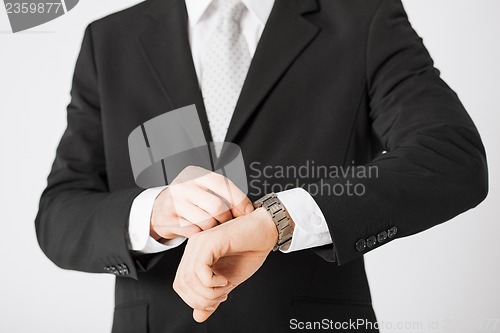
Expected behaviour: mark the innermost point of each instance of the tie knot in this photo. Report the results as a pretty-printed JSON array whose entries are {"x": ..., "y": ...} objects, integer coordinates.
[{"x": 231, "y": 11}]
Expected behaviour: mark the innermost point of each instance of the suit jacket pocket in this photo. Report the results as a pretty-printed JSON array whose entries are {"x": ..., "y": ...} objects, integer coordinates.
[{"x": 131, "y": 318}]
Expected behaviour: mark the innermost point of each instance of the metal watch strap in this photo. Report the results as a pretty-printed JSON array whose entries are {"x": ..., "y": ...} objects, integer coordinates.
[{"x": 280, "y": 217}]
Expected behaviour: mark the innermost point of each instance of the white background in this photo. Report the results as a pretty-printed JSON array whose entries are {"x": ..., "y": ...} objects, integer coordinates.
[{"x": 448, "y": 273}]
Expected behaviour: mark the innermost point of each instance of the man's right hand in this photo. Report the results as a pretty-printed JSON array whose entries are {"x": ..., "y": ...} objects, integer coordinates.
[{"x": 197, "y": 200}]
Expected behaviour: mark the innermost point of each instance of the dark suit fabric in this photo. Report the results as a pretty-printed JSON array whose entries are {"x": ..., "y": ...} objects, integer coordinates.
[{"x": 332, "y": 81}]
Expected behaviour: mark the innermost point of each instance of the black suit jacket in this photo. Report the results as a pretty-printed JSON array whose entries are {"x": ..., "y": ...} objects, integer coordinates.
[{"x": 332, "y": 81}]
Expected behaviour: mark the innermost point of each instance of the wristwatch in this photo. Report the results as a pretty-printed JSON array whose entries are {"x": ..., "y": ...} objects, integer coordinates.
[{"x": 280, "y": 217}]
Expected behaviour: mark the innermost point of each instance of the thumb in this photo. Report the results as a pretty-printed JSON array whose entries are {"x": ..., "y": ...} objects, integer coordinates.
[{"x": 242, "y": 208}]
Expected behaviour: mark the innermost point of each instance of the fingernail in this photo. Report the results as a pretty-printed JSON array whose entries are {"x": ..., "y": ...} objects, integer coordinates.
[
  {"x": 249, "y": 209},
  {"x": 210, "y": 308}
]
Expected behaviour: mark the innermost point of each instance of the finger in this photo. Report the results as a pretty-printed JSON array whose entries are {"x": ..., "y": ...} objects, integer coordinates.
[
  {"x": 201, "y": 315},
  {"x": 208, "y": 278},
  {"x": 181, "y": 227},
  {"x": 212, "y": 204},
  {"x": 196, "y": 301},
  {"x": 208, "y": 292},
  {"x": 195, "y": 215},
  {"x": 221, "y": 300},
  {"x": 225, "y": 188}
]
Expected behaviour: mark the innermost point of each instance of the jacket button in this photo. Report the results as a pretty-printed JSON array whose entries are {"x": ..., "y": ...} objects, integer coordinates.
[
  {"x": 371, "y": 241},
  {"x": 361, "y": 245},
  {"x": 391, "y": 233},
  {"x": 382, "y": 236},
  {"x": 123, "y": 269}
]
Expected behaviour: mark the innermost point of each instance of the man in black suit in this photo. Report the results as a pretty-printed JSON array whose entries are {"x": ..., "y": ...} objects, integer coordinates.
[{"x": 334, "y": 82}]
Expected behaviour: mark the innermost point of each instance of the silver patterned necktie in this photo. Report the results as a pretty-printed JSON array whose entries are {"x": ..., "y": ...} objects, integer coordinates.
[{"x": 225, "y": 63}]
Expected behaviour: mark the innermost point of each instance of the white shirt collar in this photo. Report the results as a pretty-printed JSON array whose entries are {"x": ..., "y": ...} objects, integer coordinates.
[{"x": 260, "y": 8}]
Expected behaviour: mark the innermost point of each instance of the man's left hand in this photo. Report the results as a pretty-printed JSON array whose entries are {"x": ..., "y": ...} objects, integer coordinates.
[{"x": 217, "y": 260}]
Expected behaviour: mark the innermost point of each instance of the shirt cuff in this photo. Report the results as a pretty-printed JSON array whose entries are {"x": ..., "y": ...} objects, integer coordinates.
[
  {"x": 139, "y": 221},
  {"x": 311, "y": 229}
]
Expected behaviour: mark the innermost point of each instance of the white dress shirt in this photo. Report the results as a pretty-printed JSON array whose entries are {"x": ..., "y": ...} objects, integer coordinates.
[{"x": 311, "y": 229}]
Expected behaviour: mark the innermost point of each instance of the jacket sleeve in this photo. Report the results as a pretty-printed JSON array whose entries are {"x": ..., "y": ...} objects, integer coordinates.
[
  {"x": 81, "y": 225},
  {"x": 435, "y": 165}
]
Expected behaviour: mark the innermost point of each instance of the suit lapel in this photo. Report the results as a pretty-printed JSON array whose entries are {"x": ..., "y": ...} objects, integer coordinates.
[
  {"x": 286, "y": 34},
  {"x": 167, "y": 51}
]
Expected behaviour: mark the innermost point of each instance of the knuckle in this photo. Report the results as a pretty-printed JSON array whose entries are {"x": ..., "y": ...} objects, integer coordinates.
[
  {"x": 217, "y": 179},
  {"x": 221, "y": 180},
  {"x": 175, "y": 286},
  {"x": 207, "y": 224},
  {"x": 219, "y": 207},
  {"x": 188, "y": 169}
]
